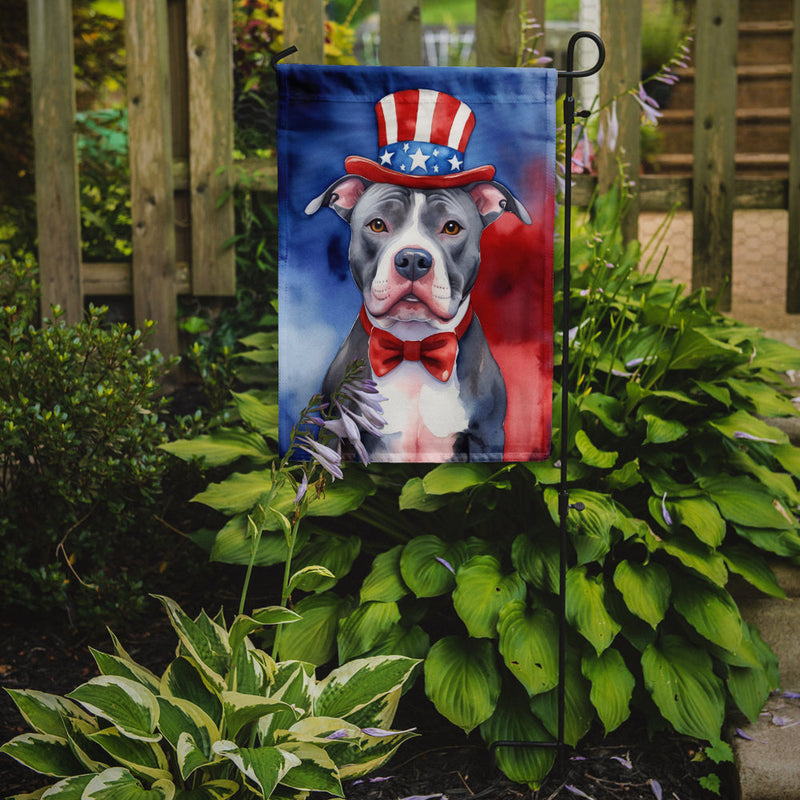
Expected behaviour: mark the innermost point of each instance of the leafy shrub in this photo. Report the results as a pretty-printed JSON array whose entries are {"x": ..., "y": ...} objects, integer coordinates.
[
  {"x": 683, "y": 484},
  {"x": 223, "y": 716},
  {"x": 79, "y": 430}
]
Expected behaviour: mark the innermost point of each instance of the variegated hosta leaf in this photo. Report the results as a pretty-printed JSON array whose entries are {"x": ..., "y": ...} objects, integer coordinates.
[
  {"x": 179, "y": 718},
  {"x": 316, "y": 771},
  {"x": 78, "y": 733},
  {"x": 212, "y": 790},
  {"x": 242, "y": 709},
  {"x": 586, "y": 608},
  {"x": 244, "y": 625},
  {"x": 529, "y": 645},
  {"x": 365, "y": 627},
  {"x": 45, "y": 712},
  {"x": 462, "y": 680},
  {"x": 204, "y": 641},
  {"x": 578, "y": 710},
  {"x": 183, "y": 679},
  {"x": 371, "y": 754},
  {"x": 125, "y": 668},
  {"x": 481, "y": 591},
  {"x": 44, "y": 753},
  {"x": 513, "y": 721},
  {"x": 683, "y": 685},
  {"x": 385, "y": 581},
  {"x": 612, "y": 686},
  {"x": 145, "y": 759},
  {"x": 358, "y": 683},
  {"x": 262, "y": 766},
  {"x": 126, "y": 704},
  {"x": 117, "y": 783},
  {"x": 710, "y": 610},
  {"x": 646, "y": 589},
  {"x": 68, "y": 789},
  {"x": 294, "y": 685},
  {"x": 252, "y": 670}
]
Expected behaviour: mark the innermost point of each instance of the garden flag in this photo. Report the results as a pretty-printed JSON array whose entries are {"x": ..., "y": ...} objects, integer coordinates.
[{"x": 416, "y": 212}]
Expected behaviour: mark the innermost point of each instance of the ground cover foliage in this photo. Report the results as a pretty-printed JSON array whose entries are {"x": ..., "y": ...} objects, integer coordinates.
[{"x": 683, "y": 484}]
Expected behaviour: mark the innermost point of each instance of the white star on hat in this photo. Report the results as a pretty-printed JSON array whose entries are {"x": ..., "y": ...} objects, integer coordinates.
[
  {"x": 386, "y": 158},
  {"x": 418, "y": 160},
  {"x": 455, "y": 164}
]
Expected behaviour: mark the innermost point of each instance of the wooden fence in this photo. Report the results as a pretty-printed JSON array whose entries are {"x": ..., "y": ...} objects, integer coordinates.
[{"x": 180, "y": 92}]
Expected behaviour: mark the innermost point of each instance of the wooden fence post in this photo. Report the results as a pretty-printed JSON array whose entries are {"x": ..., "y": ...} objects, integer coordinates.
[
  {"x": 56, "y": 161},
  {"x": 401, "y": 33},
  {"x": 304, "y": 27},
  {"x": 714, "y": 190},
  {"x": 498, "y": 30},
  {"x": 793, "y": 266},
  {"x": 152, "y": 201},
  {"x": 210, "y": 55},
  {"x": 621, "y": 28}
]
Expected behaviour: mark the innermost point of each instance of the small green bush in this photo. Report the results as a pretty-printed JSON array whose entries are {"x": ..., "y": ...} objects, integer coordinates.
[{"x": 79, "y": 464}]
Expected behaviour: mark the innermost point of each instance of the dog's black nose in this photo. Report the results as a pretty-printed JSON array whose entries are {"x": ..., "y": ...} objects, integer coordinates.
[{"x": 413, "y": 263}]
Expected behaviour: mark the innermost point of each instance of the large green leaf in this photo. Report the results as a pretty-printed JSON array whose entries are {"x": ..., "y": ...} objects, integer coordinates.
[
  {"x": 537, "y": 561},
  {"x": 683, "y": 685},
  {"x": 709, "y": 609},
  {"x": 746, "y": 561},
  {"x": 481, "y": 591},
  {"x": 700, "y": 516},
  {"x": 690, "y": 552},
  {"x": 428, "y": 565},
  {"x": 313, "y": 638},
  {"x": 741, "y": 425},
  {"x": 780, "y": 542},
  {"x": 126, "y": 704},
  {"x": 449, "y": 478},
  {"x": 241, "y": 709},
  {"x": 44, "y": 753},
  {"x": 126, "y": 668},
  {"x": 212, "y": 790},
  {"x": 745, "y": 502},
  {"x": 749, "y": 688},
  {"x": 589, "y": 526},
  {"x": 766, "y": 400},
  {"x": 68, "y": 789},
  {"x": 237, "y": 493},
  {"x": 696, "y": 349},
  {"x": 512, "y": 721},
  {"x": 646, "y": 589},
  {"x": 529, "y": 645},
  {"x": 586, "y": 608},
  {"x": 316, "y": 771},
  {"x": 663, "y": 431},
  {"x": 591, "y": 455},
  {"x": 462, "y": 680},
  {"x": 365, "y": 627},
  {"x": 233, "y": 544},
  {"x": 223, "y": 446},
  {"x": 414, "y": 497},
  {"x": 608, "y": 410},
  {"x": 264, "y": 766},
  {"x": 178, "y": 716},
  {"x": 385, "y": 582},
  {"x": 117, "y": 783},
  {"x": 183, "y": 679},
  {"x": 612, "y": 686},
  {"x": 261, "y": 416},
  {"x": 335, "y": 553},
  {"x": 578, "y": 710}
]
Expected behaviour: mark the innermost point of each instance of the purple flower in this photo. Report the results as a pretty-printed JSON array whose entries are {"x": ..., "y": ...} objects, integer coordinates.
[
  {"x": 342, "y": 733},
  {"x": 577, "y": 792},
  {"x": 664, "y": 512},
  {"x": 327, "y": 458},
  {"x": 742, "y": 735},
  {"x": 624, "y": 761},
  {"x": 301, "y": 489},
  {"x": 445, "y": 563},
  {"x": 608, "y": 132},
  {"x": 649, "y": 106},
  {"x": 380, "y": 732},
  {"x": 655, "y": 786},
  {"x": 750, "y": 436}
]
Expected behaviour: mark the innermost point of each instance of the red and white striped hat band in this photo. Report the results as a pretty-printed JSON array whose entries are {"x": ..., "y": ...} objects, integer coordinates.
[{"x": 422, "y": 139}]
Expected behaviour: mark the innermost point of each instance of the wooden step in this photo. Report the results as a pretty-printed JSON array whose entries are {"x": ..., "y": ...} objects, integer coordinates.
[
  {"x": 754, "y": 10},
  {"x": 763, "y": 42},
  {"x": 758, "y": 130},
  {"x": 768, "y": 165}
]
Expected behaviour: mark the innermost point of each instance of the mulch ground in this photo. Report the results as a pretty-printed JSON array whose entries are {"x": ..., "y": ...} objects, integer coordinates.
[{"x": 44, "y": 654}]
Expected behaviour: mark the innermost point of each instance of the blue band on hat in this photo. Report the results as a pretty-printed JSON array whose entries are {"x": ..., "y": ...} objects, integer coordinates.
[{"x": 421, "y": 158}]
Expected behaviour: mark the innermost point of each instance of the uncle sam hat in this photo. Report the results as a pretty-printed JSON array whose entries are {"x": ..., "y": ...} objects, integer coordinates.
[{"x": 422, "y": 138}]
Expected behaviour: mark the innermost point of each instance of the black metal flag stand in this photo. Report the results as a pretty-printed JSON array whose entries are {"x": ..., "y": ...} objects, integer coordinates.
[{"x": 563, "y": 494}]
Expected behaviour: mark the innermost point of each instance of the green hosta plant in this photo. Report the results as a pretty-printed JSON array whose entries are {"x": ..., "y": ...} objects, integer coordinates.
[
  {"x": 684, "y": 482},
  {"x": 224, "y": 720}
]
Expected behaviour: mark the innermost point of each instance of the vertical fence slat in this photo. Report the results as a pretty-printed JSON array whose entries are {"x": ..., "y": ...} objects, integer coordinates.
[
  {"x": 152, "y": 202},
  {"x": 304, "y": 27},
  {"x": 56, "y": 164},
  {"x": 793, "y": 266},
  {"x": 621, "y": 28},
  {"x": 401, "y": 33},
  {"x": 210, "y": 54},
  {"x": 713, "y": 191},
  {"x": 498, "y": 33}
]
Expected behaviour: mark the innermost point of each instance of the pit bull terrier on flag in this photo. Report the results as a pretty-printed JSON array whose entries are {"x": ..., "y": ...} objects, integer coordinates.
[{"x": 416, "y": 212}]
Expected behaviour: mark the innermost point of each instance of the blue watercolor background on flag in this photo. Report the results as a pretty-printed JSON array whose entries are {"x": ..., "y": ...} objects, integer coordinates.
[{"x": 327, "y": 114}]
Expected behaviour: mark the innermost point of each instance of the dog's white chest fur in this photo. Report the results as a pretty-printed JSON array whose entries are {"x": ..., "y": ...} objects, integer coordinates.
[{"x": 423, "y": 415}]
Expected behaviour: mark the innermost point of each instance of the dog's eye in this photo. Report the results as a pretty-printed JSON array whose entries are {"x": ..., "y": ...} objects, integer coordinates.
[
  {"x": 377, "y": 225},
  {"x": 451, "y": 228}
]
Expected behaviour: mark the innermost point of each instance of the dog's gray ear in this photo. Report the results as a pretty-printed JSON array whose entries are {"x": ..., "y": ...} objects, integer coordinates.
[
  {"x": 492, "y": 199},
  {"x": 341, "y": 196}
]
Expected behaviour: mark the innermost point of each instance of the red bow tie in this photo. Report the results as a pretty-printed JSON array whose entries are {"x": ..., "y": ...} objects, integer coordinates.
[{"x": 437, "y": 353}]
